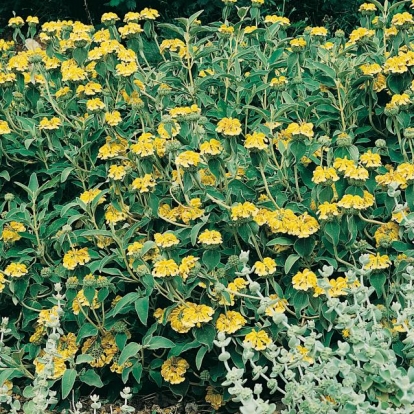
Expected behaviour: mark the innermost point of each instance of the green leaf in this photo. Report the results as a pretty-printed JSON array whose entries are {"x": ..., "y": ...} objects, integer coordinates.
[
  {"x": 194, "y": 232},
  {"x": 211, "y": 258},
  {"x": 125, "y": 301},
  {"x": 33, "y": 183},
  {"x": 157, "y": 342},
  {"x": 332, "y": 230},
  {"x": 205, "y": 335},
  {"x": 283, "y": 241},
  {"x": 84, "y": 358},
  {"x": 68, "y": 381},
  {"x": 129, "y": 351},
  {"x": 200, "y": 356},
  {"x": 65, "y": 174},
  {"x": 377, "y": 280},
  {"x": 85, "y": 331},
  {"x": 137, "y": 372},
  {"x": 91, "y": 378},
  {"x": 142, "y": 309},
  {"x": 290, "y": 261},
  {"x": 304, "y": 247}
]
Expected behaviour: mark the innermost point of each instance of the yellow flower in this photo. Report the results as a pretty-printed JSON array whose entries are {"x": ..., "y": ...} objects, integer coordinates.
[
  {"x": 226, "y": 30},
  {"x": 396, "y": 65},
  {"x": 214, "y": 398},
  {"x": 166, "y": 240},
  {"x": 109, "y": 18},
  {"x": 174, "y": 369},
  {"x": 187, "y": 264},
  {"x": 298, "y": 44},
  {"x": 256, "y": 141},
  {"x": 16, "y": 22},
  {"x": 113, "y": 118},
  {"x": 360, "y": 35},
  {"x": 282, "y": 21},
  {"x": 230, "y": 322},
  {"x": 229, "y": 127},
  {"x": 212, "y": 147},
  {"x": 194, "y": 315},
  {"x": 327, "y": 211},
  {"x": 11, "y": 232},
  {"x": 130, "y": 30},
  {"x": 165, "y": 268},
  {"x": 265, "y": 267},
  {"x": 386, "y": 234},
  {"x": 279, "y": 305},
  {"x": 304, "y": 280},
  {"x": 250, "y": 29},
  {"x": 113, "y": 215},
  {"x": 50, "y": 124},
  {"x": 324, "y": 175},
  {"x": 259, "y": 340},
  {"x": 370, "y": 159},
  {"x": 144, "y": 184},
  {"x": 67, "y": 347},
  {"x": 402, "y": 20},
  {"x": 356, "y": 173},
  {"x": 94, "y": 105},
  {"x": 149, "y": 14},
  {"x": 188, "y": 159},
  {"x": 116, "y": 172},
  {"x": 245, "y": 211},
  {"x": 370, "y": 69},
  {"x": 76, "y": 257},
  {"x": 4, "y": 128},
  {"x": 303, "y": 351},
  {"x": 377, "y": 262},
  {"x": 367, "y": 7},
  {"x": 279, "y": 82},
  {"x": 210, "y": 238},
  {"x": 89, "y": 195},
  {"x": 318, "y": 32},
  {"x": 16, "y": 270}
]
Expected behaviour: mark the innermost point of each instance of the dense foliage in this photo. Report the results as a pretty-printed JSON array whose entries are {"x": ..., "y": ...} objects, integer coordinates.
[{"x": 236, "y": 217}]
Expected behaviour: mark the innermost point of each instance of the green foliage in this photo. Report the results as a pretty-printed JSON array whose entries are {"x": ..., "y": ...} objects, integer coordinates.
[{"x": 236, "y": 207}]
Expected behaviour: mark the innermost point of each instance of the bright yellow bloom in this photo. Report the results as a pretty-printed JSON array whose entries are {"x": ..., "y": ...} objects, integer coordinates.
[
  {"x": 402, "y": 20},
  {"x": 174, "y": 369},
  {"x": 245, "y": 211},
  {"x": 279, "y": 305},
  {"x": 229, "y": 127},
  {"x": 11, "y": 232},
  {"x": 226, "y": 29},
  {"x": 80, "y": 301},
  {"x": 230, "y": 322},
  {"x": 386, "y": 234},
  {"x": 282, "y": 21},
  {"x": 165, "y": 268},
  {"x": 212, "y": 147},
  {"x": 187, "y": 264},
  {"x": 370, "y": 69},
  {"x": 258, "y": 339},
  {"x": 327, "y": 211},
  {"x": 188, "y": 159},
  {"x": 319, "y": 31},
  {"x": 76, "y": 257},
  {"x": 59, "y": 366},
  {"x": 116, "y": 172},
  {"x": 16, "y": 270},
  {"x": 113, "y": 215},
  {"x": 324, "y": 175},
  {"x": 89, "y": 195},
  {"x": 304, "y": 280},
  {"x": 4, "y": 128},
  {"x": 256, "y": 141},
  {"x": 50, "y": 124},
  {"x": 166, "y": 240},
  {"x": 149, "y": 14},
  {"x": 214, "y": 398},
  {"x": 144, "y": 184},
  {"x": 113, "y": 118},
  {"x": 94, "y": 105},
  {"x": 360, "y": 34},
  {"x": 109, "y": 18},
  {"x": 370, "y": 159},
  {"x": 210, "y": 237},
  {"x": 266, "y": 267},
  {"x": 378, "y": 262}
]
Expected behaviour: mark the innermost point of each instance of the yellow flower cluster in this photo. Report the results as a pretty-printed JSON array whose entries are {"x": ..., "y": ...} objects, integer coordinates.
[
  {"x": 174, "y": 369},
  {"x": 210, "y": 238},
  {"x": 259, "y": 340},
  {"x": 166, "y": 240},
  {"x": 75, "y": 257},
  {"x": 230, "y": 322},
  {"x": 286, "y": 221},
  {"x": 10, "y": 233},
  {"x": 16, "y": 270},
  {"x": 386, "y": 234},
  {"x": 189, "y": 315},
  {"x": 229, "y": 127},
  {"x": 265, "y": 267}
]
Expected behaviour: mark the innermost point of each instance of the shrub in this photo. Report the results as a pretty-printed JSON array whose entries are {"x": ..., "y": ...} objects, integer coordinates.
[{"x": 237, "y": 218}]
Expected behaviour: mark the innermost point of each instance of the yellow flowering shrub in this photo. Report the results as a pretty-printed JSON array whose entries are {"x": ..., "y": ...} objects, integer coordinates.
[{"x": 137, "y": 188}]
